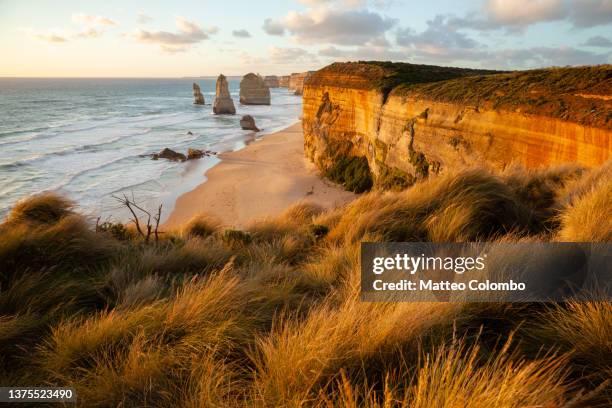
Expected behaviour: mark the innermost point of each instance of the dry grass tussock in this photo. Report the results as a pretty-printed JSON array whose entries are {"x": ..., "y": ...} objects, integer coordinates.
[{"x": 270, "y": 316}]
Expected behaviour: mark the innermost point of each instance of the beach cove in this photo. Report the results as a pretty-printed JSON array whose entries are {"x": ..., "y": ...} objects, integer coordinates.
[{"x": 260, "y": 180}]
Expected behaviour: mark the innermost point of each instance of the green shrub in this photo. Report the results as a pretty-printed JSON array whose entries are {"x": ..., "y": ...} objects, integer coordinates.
[
  {"x": 394, "y": 179},
  {"x": 352, "y": 172}
]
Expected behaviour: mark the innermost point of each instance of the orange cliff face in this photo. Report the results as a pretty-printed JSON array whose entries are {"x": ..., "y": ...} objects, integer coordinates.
[{"x": 419, "y": 121}]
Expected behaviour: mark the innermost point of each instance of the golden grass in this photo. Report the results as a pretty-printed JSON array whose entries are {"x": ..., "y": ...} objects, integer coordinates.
[{"x": 275, "y": 320}]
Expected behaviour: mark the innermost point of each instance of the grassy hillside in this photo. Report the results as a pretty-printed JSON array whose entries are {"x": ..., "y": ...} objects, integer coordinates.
[
  {"x": 270, "y": 316},
  {"x": 578, "y": 94}
]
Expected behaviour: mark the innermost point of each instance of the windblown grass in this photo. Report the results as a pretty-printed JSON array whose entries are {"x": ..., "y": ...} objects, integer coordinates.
[{"x": 271, "y": 315}]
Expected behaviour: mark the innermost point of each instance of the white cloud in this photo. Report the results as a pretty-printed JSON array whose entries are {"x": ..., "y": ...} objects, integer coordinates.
[
  {"x": 241, "y": 34},
  {"x": 524, "y": 12},
  {"x": 440, "y": 41},
  {"x": 333, "y": 26},
  {"x": 188, "y": 33},
  {"x": 281, "y": 55},
  {"x": 89, "y": 33},
  {"x": 87, "y": 19},
  {"x": 546, "y": 56},
  {"x": 52, "y": 38},
  {"x": 143, "y": 18},
  {"x": 518, "y": 14}
]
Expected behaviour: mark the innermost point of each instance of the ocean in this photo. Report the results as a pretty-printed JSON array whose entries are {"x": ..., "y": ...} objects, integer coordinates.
[{"x": 85, "y": 138}]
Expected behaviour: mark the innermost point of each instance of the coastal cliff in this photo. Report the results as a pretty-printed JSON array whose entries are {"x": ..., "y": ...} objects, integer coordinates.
[
  {"x": 296, "y": 81},
  {"x": 409, "y": 120}
]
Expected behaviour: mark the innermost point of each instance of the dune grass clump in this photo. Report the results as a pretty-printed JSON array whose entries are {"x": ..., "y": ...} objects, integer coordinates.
[
  {"x": 44, "y": 208},
  {"x": 468, "y": 206},
  {"x": 201, "y": 226},
  {"x": 580, "y": 220},
  {"x": 271, "y": 316}
]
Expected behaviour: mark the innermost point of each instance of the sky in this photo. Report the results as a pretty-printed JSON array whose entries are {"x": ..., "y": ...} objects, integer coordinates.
[{"x": 118, "y": 38}]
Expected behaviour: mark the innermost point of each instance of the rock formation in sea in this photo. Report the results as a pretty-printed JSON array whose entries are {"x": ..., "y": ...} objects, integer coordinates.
[
  {"x": 253, "y": 90},
  {"x": 248, "y": 123},
  {"x": 169, "y": 154},
  {"x": 197, "y": 95},
  {"x": 195, "y": 154},
  {"x": 296, "y": 81},
  {"x": 283, "y": 81},
  {"x": 223, "y": 104},
  {"x": 271, "y": 81},
  {"x": 411, "y": 121}
]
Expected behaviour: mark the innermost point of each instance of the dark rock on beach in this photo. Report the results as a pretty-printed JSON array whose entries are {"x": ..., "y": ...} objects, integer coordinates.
[
  {"x": 169, "y": 154},
  {"x": 248, "y": 123}
]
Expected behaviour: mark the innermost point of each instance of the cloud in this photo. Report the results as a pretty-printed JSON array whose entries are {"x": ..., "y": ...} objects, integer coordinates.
[
  {"x": 524, "y": 12},
  {"x": 143, "y": 18},
  {"x": 333, "y": 26},
  {"x": 440, "y": 41},
  {"x": 590, "y": 13},
  {"x": 281, "y": 55},
  {"x": 364, "y": 53},
  {"x": 273, "y": 27},
  {"x": 598, "y": 41},
  {"x": 89, "y": 33},
  {"x": 518, "y": 14},
  {"x": 241, "y": 34},
  {"x": 87, "y": 19},
  {"x": 188, "y": 33},
  {"x": 547, "y": 56},
  {"x": 52, "y": 38}
]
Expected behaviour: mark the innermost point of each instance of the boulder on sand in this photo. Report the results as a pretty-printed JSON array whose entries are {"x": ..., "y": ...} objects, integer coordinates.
[
  {"x": 223, "y": 104},
  {"x": 253, "y": 90},
  {"x": 197, "y": 95},
  {"x": 169, "y": 154},
  {"x": 248, "y": 123}
]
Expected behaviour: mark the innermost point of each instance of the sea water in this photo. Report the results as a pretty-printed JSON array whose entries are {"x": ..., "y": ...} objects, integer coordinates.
[{"x": 88, "y": 139}]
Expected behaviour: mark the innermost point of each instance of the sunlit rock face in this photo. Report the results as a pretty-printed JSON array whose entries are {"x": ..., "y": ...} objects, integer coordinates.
[
  {"x": 296, "y": 81},
  {"x": 254, "y": 91},
  {"x": 198, "y": 98},
  {"x": 223, "y": 104},
  {"x": 283, "y": 81},
  {"x": 419, "y": 120}
]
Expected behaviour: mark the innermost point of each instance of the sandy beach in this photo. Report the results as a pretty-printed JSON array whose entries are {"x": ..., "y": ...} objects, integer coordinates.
[{"x": 259, "y": 181}]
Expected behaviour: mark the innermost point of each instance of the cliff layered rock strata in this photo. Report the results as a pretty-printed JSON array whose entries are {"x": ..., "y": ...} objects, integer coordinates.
[
  {"x": 296, "y": 81},
  {"x": 410, "y": 121},
  {"x": 253, "y": 90},
  {"x": 223, "y": 103},
  {"x": 197, "y": 95},
  {"x": 271, "y": 81}
]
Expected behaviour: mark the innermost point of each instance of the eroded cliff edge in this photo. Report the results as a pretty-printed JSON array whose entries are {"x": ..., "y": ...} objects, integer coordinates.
[{"x": 409, "y": 120}]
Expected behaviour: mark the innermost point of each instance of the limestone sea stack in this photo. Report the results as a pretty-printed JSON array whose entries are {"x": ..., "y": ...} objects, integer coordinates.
[
  {"x": 248, "y": 123},
  {"x": 197, "y": 95},
  {"x": 253, "y": 90},
  {"x": 271, "y": 81},
  {"x": 283, "y": 81},
  {"x": 223, "y": 104}
]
